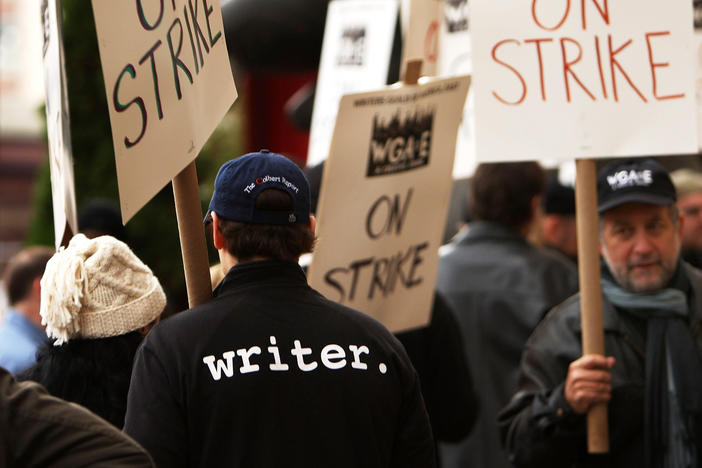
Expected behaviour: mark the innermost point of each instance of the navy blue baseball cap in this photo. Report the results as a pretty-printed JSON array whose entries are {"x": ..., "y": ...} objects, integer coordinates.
[
  {"x": 240, "y": 181},
  {"x": 634, "y": 180}
]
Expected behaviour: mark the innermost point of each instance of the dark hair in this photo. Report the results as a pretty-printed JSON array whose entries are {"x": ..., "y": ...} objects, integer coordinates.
[
  {"x": 558, "y": 199},
  {"x": 503, "y": 192},
  {"x": 272, "y": 241},
  {"x": 99, "y": 217},
  {"x": 23, "y": 269},
  {"x": 94, "y": 373}
]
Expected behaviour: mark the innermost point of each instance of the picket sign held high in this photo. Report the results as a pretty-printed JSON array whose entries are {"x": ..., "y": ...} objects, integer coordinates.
[
  {"x": 590, "y": 290},
  {"x": 192, "y": 236},
  {"x": 390, "y": 152}
]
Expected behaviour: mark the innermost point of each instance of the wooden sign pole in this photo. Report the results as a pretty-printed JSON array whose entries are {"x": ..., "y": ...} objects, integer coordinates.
[
  {"x": 192, "y": 236},
  {"x": 67, "y": 235},
  {"x": 590, "y": 290},
  {"x": 413, "y": 69}
]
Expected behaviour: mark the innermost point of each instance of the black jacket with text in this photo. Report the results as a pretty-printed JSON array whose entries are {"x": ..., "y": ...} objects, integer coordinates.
[{"x": 272, "y": 374}]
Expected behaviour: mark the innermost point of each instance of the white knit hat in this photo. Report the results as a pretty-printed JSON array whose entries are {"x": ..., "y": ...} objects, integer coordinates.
[{"x": 96, "y": 288}]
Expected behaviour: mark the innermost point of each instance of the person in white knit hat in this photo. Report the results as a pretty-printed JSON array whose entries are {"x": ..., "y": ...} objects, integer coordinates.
[{"x": 98, "y": 300}]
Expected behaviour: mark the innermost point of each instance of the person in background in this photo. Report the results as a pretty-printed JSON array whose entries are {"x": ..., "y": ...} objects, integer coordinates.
[
  {"x": 99, "y": 217},
  {"x": 37, "y": 429},
  {"x": 21, "y": 332},
  {"x": 269, "y": 372},
  {"x": 500, "y": 287},
  {"x": 558, "y": 229},
  {"x": 98, "y": 301},
  {"x": 652, "y": 372},
  {"x": 688, "y": 184}
]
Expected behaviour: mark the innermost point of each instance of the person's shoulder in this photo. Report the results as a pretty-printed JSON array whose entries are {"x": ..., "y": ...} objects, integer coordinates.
[
  {"x": 352, "y": 316},
  {"x": 355, "y": 322},
  {"x": 557, "y": 274},
  {"x": 558, "y": 337},
  {"x": 194, "y": 316},
  {"x": 568, "y": 308},
  {"x": 183, "y": 327},
  {"x": 551, "y": 259},
  {"x": 563, "y": 319},
  {"x": 556, "y": 257},
  {"x": 694, "y": 274}
]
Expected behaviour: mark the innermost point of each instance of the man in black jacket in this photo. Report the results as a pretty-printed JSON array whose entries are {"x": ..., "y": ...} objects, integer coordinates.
[
  {"x": 652, "y": 316},
  {"x": 270, "y": 373},
  {"x": 500, "y": 287}
]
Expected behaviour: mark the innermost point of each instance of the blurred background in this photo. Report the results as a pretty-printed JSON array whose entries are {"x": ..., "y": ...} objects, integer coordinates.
[{"x": 276, "y": 59}]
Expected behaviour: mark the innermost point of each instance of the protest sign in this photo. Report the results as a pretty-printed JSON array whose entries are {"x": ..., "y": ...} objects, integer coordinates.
[
  {"x": 384, "y": 200},
  {"x": 455, "y": 58},
  {"x": 420, "y": 33},
  {"x": 355, "y": 57},
  {"x": 168, "y": 82},
  {"x": 589, "y": 78},
  {"x": 583, "y": 79},
  {"x": 58, "y": 125}
]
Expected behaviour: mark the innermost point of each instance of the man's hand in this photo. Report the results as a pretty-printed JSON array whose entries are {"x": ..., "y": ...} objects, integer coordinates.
[{"x": 588, "y": 382}]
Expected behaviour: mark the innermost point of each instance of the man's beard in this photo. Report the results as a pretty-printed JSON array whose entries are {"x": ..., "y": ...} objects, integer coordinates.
[{"x": 655, "y": 277}]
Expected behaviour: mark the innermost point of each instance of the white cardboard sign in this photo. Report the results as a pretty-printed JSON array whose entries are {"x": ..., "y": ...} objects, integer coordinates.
[
  {"x": 590, "y": 78},
  {"x": 455, "y": 58},
  {"x": 358, "y": 37},
  {"x": 420, "y": 27},
  {"x": 168, "y": 82},
  {"x": 58, "y": 123},
  {"x": 384, "y": 199}
]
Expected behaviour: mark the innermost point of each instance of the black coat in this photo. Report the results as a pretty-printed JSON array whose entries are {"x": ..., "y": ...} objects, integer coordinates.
[
  {"x": 37, "y": 429},
  {"x": 436, "y": 352},
  {"x": 538, "y": 426},
  {"x": 272, "y": 374},
  {"x": 500, "y": 287}
]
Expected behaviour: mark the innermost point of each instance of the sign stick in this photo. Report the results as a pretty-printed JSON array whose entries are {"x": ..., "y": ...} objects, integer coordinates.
[
  {"x": 192, "y": 236},
  {"x": 67, "y": 235},
  {"x": 590, "y": 290},
  {"x": 412, "y": 71}
]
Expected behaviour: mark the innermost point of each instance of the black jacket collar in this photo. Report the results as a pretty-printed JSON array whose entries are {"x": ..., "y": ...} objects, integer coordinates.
[
  {"x": 268, "y": 271},
  {"x": 483, "y": 230}
]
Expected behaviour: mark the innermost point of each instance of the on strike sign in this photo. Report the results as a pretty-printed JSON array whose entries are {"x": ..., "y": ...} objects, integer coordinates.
[
  {"x": 384, "y": 199},
  {"x": 168, "y": 83},
  {"x": 582, "y": 78}
]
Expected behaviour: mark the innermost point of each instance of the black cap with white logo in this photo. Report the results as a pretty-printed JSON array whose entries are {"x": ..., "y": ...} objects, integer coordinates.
[{"x": 634, "y": 180}]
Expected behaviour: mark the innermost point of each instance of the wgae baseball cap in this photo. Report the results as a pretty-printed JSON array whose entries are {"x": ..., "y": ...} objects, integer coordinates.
[
  {"x": 634, "y": 180},
  {"x": 241, "y": 180}
]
